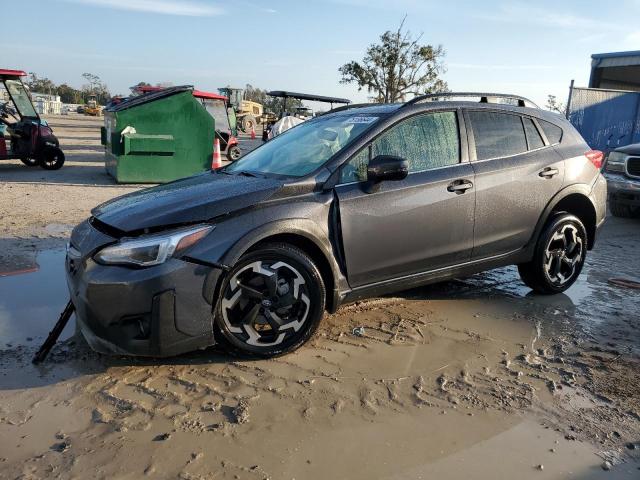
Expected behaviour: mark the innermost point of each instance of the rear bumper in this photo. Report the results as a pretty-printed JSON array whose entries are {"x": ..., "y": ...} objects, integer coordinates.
[
  {"x": 158, "y": 311},
  {"x": 598, "y": 197},
  {"x": 623, "y": 189}
]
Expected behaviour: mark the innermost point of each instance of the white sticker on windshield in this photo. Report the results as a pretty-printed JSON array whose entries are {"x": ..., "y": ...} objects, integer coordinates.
[{"x": 361, "y": 119}]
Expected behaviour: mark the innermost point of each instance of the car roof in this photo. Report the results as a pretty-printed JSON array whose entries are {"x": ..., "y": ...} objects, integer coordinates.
[{"x": 389, "y": 108}]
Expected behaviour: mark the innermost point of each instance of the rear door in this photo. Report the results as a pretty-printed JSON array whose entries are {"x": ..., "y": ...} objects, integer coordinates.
[
  {"x": 517, "y": 173},
  {"x": 421, "y": 223}
]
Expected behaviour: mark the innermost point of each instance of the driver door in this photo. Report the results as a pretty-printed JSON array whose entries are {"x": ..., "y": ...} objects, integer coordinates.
[{"x": 418, "y": 224}]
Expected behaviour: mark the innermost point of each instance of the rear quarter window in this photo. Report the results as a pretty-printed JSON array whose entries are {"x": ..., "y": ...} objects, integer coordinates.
[
  {"x": 497, "y": 134},
  {"x": 553, "y": 132},
  {"x": 533, "y": 136}
]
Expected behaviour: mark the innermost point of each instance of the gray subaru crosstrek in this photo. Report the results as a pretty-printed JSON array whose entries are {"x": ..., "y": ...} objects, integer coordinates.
[{"x": 361, "y": 201}]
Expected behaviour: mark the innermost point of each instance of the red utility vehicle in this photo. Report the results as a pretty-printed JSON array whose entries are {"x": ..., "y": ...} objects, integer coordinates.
[{"x": 23, "y": 134}]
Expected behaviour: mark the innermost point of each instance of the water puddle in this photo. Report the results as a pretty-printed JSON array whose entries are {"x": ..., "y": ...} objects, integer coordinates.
[{"x": 33, "y": 293}]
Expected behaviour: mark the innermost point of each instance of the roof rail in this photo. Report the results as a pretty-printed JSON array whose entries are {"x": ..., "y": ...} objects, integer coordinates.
[
  {"x": 352, "y": 105},
  {"x": 484, "y": 98}
]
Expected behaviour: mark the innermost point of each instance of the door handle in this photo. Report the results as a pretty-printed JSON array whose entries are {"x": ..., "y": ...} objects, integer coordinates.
[
  {"x": 460, "y": 186},
  {"x": 548, "y": 172}
]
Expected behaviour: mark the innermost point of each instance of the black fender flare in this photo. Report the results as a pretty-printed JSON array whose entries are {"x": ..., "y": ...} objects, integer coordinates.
[{"x": 579, "y": 188}]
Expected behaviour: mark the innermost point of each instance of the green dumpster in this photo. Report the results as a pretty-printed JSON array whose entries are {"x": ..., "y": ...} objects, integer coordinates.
[{"x": 157, "y": 137}]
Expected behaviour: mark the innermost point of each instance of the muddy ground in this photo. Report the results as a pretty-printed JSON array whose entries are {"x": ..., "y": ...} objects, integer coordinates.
[{"x": 473, "y": 378}]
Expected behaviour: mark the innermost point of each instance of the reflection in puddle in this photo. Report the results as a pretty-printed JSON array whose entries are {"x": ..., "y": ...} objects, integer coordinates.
[{"x": 31, "y": 301}]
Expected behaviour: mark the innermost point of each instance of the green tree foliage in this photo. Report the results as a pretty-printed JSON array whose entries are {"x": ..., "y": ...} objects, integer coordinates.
[
  {"x": 41, "y": 85},
  {"x": 270, "y": 104},
  {"x": 67, "y": 93},
  {"x": 396, "y": 67}
]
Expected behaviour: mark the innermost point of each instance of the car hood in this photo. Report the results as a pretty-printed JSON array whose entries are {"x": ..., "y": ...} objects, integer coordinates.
[{"x": 193, "y": 199}]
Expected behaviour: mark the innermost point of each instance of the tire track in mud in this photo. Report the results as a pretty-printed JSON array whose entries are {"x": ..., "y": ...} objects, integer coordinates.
[{"x": 332, "y": 379}]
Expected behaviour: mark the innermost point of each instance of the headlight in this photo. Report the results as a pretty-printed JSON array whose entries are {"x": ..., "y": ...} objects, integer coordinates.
[
  {"x": 151, "y": 250},
  {"x": 615, "y": 162}
]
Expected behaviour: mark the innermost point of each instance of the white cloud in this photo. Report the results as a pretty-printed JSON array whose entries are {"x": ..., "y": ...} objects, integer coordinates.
[
  {"x": 520, "y": 13},
  {"x": 165, "y": 7}
]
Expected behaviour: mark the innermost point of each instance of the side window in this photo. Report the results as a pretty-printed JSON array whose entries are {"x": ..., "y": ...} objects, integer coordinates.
[
  {"x": 533, "y": 136},
  {"x": 425, "y": 141},
  {"x": 355, "y": 170},
  {"x": 553, "y": 132},
  {"x": 497, "y": 134}
]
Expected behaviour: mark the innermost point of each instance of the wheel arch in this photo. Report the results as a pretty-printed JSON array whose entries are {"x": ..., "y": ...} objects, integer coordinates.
[
  {"x": 574, "y": 199},
  {"x": 305, "y": 235}
]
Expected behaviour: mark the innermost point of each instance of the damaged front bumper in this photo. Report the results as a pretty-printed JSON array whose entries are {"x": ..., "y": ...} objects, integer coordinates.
[
  {"x": 622, "y": 189},
  {"x": 157, "y": 311}
]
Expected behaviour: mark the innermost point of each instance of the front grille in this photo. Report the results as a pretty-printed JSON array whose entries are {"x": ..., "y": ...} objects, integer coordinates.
[{"x": 633, "y": 166}]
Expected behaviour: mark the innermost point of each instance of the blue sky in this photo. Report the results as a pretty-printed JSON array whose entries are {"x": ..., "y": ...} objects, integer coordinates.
[{"x": 529, "y": 48}]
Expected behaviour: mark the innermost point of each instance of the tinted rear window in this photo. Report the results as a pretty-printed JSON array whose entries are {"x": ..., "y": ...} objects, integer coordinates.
[
  {"x": 553, "y": 132},
  {"x": 533, "y": 136},
  {"x": 497, "y": 134}
]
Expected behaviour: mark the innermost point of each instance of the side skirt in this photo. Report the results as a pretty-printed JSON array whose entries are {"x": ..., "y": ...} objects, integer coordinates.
[{"x": 424, "y": 278}]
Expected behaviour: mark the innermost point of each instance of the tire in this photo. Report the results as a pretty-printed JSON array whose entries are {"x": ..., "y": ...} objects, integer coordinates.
[
  {"x": 248, "y": 319},
  {"x": 52, "y": 159},
  {"x": 30, "y": 162},
  {"x": 621, "y": 210},
  {"x": 559, "y": 256},
  {"x": 234, "y": 153},
  {"x": 247, "y": 123}
]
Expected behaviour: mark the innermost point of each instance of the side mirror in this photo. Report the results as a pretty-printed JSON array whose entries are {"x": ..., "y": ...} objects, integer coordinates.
[{"x": 387, "y": 167}]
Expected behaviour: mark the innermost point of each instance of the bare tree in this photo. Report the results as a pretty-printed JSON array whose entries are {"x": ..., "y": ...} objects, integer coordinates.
[
  {"x": 554, "y": 105},
  {"x": 396, "y": 67},
  {"x": 95, "y": 86}
]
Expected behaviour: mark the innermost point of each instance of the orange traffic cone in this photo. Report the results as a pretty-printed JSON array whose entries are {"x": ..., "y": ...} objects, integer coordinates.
[
  {"x": 216, "y": 162},
  {"x": 253, "y": 132}
]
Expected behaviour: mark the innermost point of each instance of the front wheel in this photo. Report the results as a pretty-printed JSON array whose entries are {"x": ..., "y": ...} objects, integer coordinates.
[
  {"x": 559, "y": 256},
  {"x": 234, "y": 153},
  {"x": 52, "y": 159},
  {"x": 271, "y": 302},
  {"x": 30, "y": 162},
  {"x": 248, "y": 123}
]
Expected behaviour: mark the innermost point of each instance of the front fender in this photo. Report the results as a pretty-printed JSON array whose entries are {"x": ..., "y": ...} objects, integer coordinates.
[{"x": 224, "y": 247}]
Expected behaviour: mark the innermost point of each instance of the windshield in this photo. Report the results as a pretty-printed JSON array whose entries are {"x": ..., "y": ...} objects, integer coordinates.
[
  {"x": 306, "y": 147},
  {"x": 20, "y": 98},
  {"x": 218, "y": 110}
]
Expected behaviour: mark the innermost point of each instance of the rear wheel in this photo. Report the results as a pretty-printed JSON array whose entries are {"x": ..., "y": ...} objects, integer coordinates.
[
  {"x": 559, "y": 256},
  {"x": 271, "y": 302},
  {"x": 52, "y": 159},
  {"x": 621, "y": 210}
]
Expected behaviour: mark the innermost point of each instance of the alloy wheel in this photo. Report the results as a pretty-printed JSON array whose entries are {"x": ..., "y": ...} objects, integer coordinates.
[
  {"x": 564, "y": 254},
  {"x": 265, "y": 303}
]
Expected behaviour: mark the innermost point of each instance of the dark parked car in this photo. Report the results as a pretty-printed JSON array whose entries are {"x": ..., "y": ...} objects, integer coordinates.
[
  {"x": 361, "y": 201},
  {"x": 622, "y": 171}
]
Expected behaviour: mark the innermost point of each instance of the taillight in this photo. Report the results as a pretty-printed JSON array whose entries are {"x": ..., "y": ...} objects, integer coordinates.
[{"x": 596, "y": 157}]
